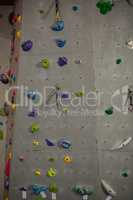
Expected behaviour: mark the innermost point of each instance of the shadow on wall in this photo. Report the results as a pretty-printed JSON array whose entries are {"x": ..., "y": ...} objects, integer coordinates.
[{"x": 5, "y": 27}]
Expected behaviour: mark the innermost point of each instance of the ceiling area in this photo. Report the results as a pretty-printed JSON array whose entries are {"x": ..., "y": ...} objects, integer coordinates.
[{"x": 6, "y": 2}]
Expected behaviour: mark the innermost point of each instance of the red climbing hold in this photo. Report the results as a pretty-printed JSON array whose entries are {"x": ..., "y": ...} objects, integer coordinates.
[{"x": 8, "y": 166}]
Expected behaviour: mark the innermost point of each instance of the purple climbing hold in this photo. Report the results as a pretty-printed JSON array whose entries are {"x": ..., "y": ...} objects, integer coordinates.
[
  {"x": 62, "y": 61},
  {"x": 27, "y": 45},
  {"x": 33, "y": 113},
  {"x": 64, "y": 95},
  {"x": 49, "y": 143}
]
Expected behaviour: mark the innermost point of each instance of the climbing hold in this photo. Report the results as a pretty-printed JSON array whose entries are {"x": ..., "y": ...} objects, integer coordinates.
[
  {"x": 32, "y": 94},
  {"x": 121, "y": 144},
  {"x": 118, "y": 61},
  {"x": 64, "y": 144},
  {"x": 35, "y": 127},
  {"x": 37, "y": 172},
  {"x": 24, "y": 193},
  {"x": 33, "y": 113},
  {"x": 45, "y": 63},
  {"x": 51, "y": 172},
  {"x": 18, "y": 34},
  {"x": 58, "y": 25},
  {"x": 109, "y": 111},
  {"x": 67, "y": 159},
  {"x": 2, "y": 112},
  {"x": 104, "y": 6},
  {"x": 41, "y": 11},
  {"x": 62, "y": 61},
  {"x": 53, "y": 187},
  {"x": 51, "y": 159},
  {"x": 64, "y": 95},
  {"x": 37, "y": 189},
  {"x": 27, "y": 45},
  {"x": 79, "y": 94},
  {"x": 36, "y": 143},
  {"x": 83, "y": 190},
  {"x": 60, "y": 43},
  {"x": 4, "y": 78},
  {"x": 125, "y": 172},
  {"x": 76, "y": 8},
  {"x": 107, "y": 188},
  {"x": 21, "y": 158},
  {"x": 1, "y": 123},
  {"x": 13, "y": 106},
  {"x": 49, "y": 143},
  {"x": 129, "y": 44},
  {"x": 1, "y": 134},
  {"x": 65, "y": 110},
  {"x": 19, "y": 18},
  {"x": 78, "y": 62}
]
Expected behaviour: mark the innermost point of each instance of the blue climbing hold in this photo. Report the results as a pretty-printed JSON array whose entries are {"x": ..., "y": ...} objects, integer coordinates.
[
  {"x": 37, "y": 189},
  {"x": 49, "y": 143},
  {"x": 27, "y": 45},
  {"x": 60, "y": 43},
  {"x": 58, "y": 26},
  {"x": 62, "y": 61},
  {"x": 64, "y": 143}
]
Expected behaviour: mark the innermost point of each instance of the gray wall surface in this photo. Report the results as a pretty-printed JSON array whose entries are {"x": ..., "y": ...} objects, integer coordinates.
[{"x": 98, "y": 41}]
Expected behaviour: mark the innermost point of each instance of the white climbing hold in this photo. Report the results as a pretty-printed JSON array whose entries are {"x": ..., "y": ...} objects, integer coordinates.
[
  {"x": 85, "y": 197},
  {"x": 43, "y": 195},
  {"x": 121, "y": 144},
  {"x": 24, "y": 194},
  {"x": 109, "y": 197},
  {"x": 130, "y": 44},
  {"x": 108, "y": 189},
  {"x": 53, "y": 196}
]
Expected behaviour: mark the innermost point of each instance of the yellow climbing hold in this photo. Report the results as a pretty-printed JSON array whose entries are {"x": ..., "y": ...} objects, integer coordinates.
[
  {"x": 19, "y": 18},
  {"x": 36, "y": 143},
  {"x": 45, "y": 63},
  {"x": 67, "y": 159},
  {"x": 51, "y": 172},
  {"x": 37, "y": 172},
  {"x": 13, "y": 107},
  {"x": 18, "y": 34}
]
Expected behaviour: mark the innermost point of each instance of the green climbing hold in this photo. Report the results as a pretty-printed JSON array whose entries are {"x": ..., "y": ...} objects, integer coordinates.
[
  {"x": 125, "y": 173},
  {"x": 1, "y": 135},
  {"x": 53, "y": 188},
  {"x": 109, "y": 111},
  {"x": 35, "y": 128},
  {"x": 83, "y": 190},
  {"x": 2, "y": 112},
  {"x": 104, "y": 6},
  {"x": 79, "y": 94},
  {"x": 118, "y": 61},
  {"x": 45, "y": 63},
  {"x": 51, "y": 159}
]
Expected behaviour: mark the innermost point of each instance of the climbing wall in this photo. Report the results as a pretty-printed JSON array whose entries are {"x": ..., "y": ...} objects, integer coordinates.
[
  {"x": 5, "y": 40},
  {"x": 93, "y": 44}
]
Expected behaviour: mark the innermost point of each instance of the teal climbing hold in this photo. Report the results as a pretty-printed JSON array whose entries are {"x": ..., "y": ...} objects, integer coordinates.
[
  {"x": 125, "y": 173},
  {"x": 118, "y": 61},
  {"x": 104, "y": 6},
  {"x": 83, "y": 190},
  {"x": 109, "y": 111}
]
